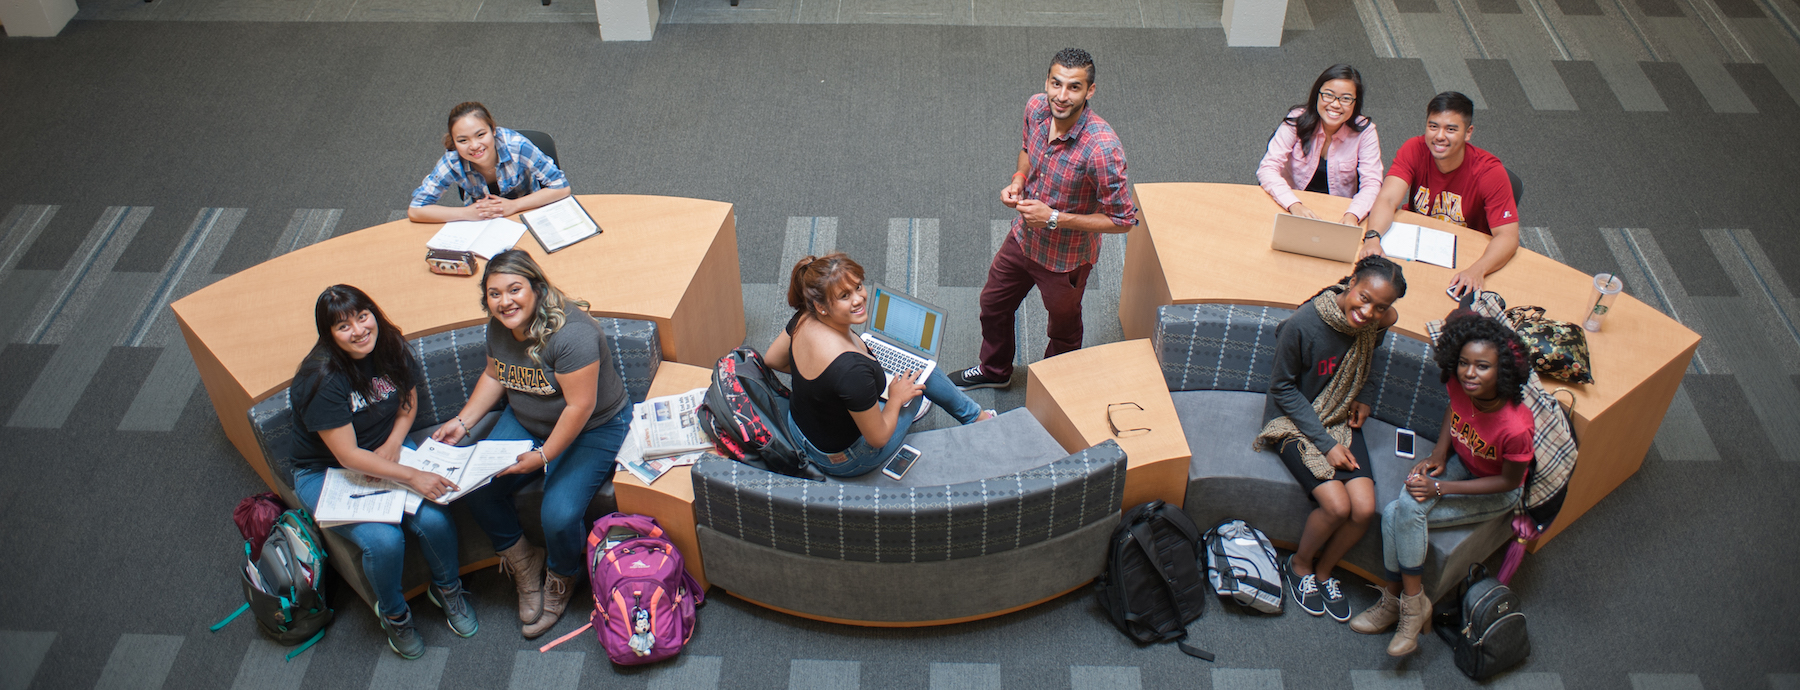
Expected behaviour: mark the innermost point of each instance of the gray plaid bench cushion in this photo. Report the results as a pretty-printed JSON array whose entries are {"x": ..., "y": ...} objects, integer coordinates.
[
  {"x": 900, "y": 524},
  {"x": 452, "y": 361},
  {"x": 1232, "y": 347}
]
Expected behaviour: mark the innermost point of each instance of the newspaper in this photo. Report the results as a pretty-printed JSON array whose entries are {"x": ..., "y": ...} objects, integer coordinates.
[
  {"x": 648, "y": 471},
  {"x": 670, "y": 425},
  {"x": 468, "y": 467},
  {"x": 349, "y": 497}
]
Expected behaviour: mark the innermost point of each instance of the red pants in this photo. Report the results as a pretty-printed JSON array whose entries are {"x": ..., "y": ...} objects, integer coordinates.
[{"x": 1010, "y": 278}]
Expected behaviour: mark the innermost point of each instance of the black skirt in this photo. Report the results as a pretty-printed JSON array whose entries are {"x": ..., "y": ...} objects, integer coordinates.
[{"x": 1290, "y": 458}]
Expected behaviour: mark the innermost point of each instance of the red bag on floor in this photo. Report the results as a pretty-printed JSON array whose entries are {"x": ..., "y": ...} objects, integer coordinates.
[{"x": 255, "y": 516}]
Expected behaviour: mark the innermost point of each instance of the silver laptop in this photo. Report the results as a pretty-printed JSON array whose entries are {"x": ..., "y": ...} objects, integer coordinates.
[
  {"x": 903, "y": 332},
  {"x": 1320, "y": 238}
]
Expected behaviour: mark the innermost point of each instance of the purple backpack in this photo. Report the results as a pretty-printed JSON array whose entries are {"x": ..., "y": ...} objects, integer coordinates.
[{"x": 644, "y": 598}]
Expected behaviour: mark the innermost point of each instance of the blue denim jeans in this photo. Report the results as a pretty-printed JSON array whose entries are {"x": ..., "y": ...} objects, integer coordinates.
[
  {"x": 861, "y": 458},
  {"x": 570, "y": 482},
  {"x": 1406, "y": 523},
  {"x": 384, "y": 545}
]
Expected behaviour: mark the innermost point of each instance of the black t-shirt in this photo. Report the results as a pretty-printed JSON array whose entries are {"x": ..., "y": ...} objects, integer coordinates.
[
  {"x": 336, "y": 404},
  {"x": 1319, "y": 183},
  {"x": 822, "y": 406}
]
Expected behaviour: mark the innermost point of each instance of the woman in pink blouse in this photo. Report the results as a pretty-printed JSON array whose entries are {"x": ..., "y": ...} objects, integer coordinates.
[{"x": 1325, "y": 146}]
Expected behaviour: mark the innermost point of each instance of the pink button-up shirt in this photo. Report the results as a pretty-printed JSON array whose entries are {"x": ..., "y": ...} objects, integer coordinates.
[{"x": 1353, "y": 165}]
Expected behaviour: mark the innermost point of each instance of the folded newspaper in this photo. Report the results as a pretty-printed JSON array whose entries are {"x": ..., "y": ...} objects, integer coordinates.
[{"x": 665, "y": 434}]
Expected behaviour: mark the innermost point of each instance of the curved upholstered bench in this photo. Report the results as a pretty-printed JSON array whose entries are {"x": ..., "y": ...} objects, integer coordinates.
[
  {"x": 1003, "y": 519},
  {"x": 452, "y": 361},
  {"x": 1217, "y": 360}
]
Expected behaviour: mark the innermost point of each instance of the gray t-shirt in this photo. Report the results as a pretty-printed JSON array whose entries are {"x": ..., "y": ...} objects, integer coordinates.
[{"x": 532, "y": 391}]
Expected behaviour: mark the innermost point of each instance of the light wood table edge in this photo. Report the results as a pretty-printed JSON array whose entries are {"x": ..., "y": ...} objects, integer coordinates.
[
  {"x": 1146, "y": 479},
  {"x": 671, "y": 499},
  {"x": 908, "y": 624},
  {"x": 704, "y": 344},
  {"x": 1144, "y": 287}
]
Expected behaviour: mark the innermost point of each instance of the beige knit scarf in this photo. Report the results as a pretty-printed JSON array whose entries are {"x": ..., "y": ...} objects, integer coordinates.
[{"x": 1333, "y": 404}]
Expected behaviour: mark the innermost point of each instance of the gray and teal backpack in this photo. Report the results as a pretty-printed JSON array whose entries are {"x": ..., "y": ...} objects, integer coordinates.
[{"x": 283, "y": 583}]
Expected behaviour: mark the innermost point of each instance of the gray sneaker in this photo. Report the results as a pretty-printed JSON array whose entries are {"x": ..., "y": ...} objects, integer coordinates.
[
  {"x": 402, "y": 637},
  {"x": 456, "y": 608}
]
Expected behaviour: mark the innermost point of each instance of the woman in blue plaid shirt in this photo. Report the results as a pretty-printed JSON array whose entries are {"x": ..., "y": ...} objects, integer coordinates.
[{"x": 499, "y": 171}]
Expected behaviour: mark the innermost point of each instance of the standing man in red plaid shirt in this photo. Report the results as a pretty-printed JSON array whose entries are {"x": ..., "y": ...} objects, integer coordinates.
[{"x": 1069, "y": 188}]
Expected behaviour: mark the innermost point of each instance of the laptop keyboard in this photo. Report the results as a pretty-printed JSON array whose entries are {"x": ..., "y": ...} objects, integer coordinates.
[{"x": 894, "y": 360}]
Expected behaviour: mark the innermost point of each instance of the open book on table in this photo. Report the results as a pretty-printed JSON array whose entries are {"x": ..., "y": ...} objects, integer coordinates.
[
  {"x": 484, "y": 237},
  {"x": 560, "y": 224},
  {"x": 1420, "y": 243},
  {"x": 468, "y": 467}
]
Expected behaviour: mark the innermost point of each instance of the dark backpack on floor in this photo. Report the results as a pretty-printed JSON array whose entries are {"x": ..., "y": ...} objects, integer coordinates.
[
  {"x": 284, "y": 582},
  {"x": 745, "y": 411},
  {"x": 1152, "y": 586},
  {"x": 1483, "y": 624}
]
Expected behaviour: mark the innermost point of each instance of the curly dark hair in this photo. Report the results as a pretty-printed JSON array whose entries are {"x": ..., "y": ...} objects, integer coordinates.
[{"x": 1464, "y": 327}]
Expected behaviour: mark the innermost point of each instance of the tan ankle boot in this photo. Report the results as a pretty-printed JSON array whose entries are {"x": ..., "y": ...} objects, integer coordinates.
[
  {"x": 1378, "y": 618},
  {"x": 1415, "y": 618},
  {"x": 558, "y": 590},
  {"x": 524, "y": 563}
]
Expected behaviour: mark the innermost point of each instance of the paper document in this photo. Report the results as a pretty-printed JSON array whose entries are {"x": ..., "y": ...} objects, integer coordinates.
[
  {"x": 484, "y": 237},
  {"x": 560, "y": 224},
  {"x": 468, "y": 467},
  {"x": 670, "y": 425},
  {"x": 350, "y": 497},
  {"x": 648, "y": 471},
  {"x": 1419, "y": 243}
]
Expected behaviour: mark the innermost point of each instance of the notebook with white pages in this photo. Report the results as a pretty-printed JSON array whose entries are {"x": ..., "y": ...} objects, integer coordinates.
[
  {"x": 560, "y": 224},
  {"x": 1420, "y": 243},
  {"x": 483, "y": 237}
]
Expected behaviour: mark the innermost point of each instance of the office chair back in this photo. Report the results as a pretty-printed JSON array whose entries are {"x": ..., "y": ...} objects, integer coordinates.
[
  {"x": 1518, "y": 185},
  {"x": 544, "y": 143}
]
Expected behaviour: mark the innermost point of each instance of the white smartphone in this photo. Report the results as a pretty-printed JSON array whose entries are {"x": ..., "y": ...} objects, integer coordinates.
[
  {"x": 1403, "y": 443},
  {"x": 902, "y": 461}
]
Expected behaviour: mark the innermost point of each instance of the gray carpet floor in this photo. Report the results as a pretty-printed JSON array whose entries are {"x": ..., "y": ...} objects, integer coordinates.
[{"x": 146, "y": 158}]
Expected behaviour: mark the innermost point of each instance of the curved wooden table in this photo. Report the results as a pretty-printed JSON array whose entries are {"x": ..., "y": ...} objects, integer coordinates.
[
  {"x": 670, "y": 260},
  {"x": 1209, "y": 243}
]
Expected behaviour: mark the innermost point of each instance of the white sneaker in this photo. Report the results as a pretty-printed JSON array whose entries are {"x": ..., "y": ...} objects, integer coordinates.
[{"x": 924, "y": 407}]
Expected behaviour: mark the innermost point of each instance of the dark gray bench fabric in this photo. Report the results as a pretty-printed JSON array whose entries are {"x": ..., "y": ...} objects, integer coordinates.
[
  {"x": 996, "y": 515},
  {"x": 1217, "y": 358},
  {"x": 452, "y": 361}
]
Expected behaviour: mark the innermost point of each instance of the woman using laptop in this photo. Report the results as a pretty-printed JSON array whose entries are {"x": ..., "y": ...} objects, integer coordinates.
[
  {"x": 565, "y": 396},
  {"x": 836, "y": 415},
  {"x": 354, "y": 398},
  {"x": 1473, "y": 474},
  {"x": 1313, "y": 420},
  {"x": 499, "y": 171},
  {"x": 1325, "y": 146}
]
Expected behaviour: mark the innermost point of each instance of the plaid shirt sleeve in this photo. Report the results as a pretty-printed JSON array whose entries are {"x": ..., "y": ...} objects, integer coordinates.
[
  {"x": 1107, "y": 170},
  {"x": 542, "y": 169},
  {"x": 438, "y": 181}
]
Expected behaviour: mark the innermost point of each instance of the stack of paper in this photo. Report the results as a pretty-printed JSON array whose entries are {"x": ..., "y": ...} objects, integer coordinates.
[
  {"x": 350, "y": 497},
  {"x": 484, "y": 237},
  {"x": 1419, "y": 243}
]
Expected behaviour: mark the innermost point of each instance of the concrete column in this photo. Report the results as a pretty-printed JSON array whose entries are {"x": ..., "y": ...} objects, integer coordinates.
[
  {"x": 35, "y": 17},
  {"x": 1254, "y": 22},
  {"x": 624, "y": 20}
]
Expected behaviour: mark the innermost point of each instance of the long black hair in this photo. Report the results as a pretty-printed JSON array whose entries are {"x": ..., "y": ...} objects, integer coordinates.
[
  {"x": 391, "y": 358},
  {"x": 1307, "y": 121},
  {"x": 1373, "y": 266},
  {"x": 1464, "y": 327}
]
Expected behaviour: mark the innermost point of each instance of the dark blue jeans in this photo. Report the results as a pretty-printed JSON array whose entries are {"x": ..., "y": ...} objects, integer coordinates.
[
  {"x": 570, "y": 482},
  {"x": 384, "y": 545}
]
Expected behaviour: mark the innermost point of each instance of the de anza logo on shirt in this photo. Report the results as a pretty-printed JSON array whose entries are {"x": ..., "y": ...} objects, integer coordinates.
[{"x": 522, "y": 379}]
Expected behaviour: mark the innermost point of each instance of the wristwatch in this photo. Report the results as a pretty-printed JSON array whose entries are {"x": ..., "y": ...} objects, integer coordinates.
[
  {"x": 1371, "y": 234},
  {"x": 1052, "y": 224}
]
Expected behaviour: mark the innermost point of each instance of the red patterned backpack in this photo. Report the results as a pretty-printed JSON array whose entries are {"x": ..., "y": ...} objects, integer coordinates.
[{"x": 745, "y": 412}]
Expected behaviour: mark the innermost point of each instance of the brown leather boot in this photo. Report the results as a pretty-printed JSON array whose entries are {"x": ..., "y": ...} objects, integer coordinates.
[
  {"x": 558, "y": 590},
  {"x": 1378, "y": 618},
  {"x": 524, "y": 563},
  {"x": 1415, "y": 618}
]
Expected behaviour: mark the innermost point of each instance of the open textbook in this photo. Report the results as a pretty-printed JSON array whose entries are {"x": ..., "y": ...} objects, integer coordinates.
[
  {"x": 349, "y": 497},
  {"x": 468, "y": 467},
  {"x": 1419, "y": 243},
  {"x": 560, "y": 224},
  {"x": 484, "y": 237}
]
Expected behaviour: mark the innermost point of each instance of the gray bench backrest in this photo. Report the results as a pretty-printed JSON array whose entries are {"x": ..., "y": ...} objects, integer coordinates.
[
  {"x": 901, "y": 524},
  {"x": 1232, "y": 347},
  {"x": 453, "y": 361}
]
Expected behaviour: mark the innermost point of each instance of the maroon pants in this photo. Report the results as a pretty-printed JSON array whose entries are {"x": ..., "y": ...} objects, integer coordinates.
[{"x": 1010, "y": 278}]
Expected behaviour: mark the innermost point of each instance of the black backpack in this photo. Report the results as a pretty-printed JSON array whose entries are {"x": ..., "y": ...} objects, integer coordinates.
[
  {"x": 1152, "y": 586},
  {"x": 1483, "y": 625},
  {"x": 745, "y": 412},
  {"x": 284, "y": 582}
]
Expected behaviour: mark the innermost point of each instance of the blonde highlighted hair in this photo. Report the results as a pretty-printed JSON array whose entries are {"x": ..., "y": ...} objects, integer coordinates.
[{"x": 552, "y": 305}]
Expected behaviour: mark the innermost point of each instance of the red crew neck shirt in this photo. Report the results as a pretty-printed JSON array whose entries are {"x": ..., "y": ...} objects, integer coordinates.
[
  {"x": 1485, "y": 439},
  {"x": 1476, "y": 195}
]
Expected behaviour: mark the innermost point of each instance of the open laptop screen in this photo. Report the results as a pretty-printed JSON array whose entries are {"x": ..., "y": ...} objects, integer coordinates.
[{"x": 906, "y": 322}]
